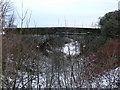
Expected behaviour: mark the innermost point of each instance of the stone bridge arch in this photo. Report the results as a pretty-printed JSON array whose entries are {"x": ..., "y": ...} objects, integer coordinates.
[{"x": 47, "y": 38}]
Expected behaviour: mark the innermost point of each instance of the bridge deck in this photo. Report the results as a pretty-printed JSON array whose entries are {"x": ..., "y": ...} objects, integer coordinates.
[{"x": 52, "y": 30}]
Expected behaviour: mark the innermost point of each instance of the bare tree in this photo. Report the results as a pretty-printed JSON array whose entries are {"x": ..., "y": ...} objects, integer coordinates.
[
  {"x": 6, "y": 20},
  {"x": 22, "y": 16},
  {"x": 6, "y": 13}
]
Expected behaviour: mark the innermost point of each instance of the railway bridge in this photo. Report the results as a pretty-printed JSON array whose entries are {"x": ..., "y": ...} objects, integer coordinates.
[
  {"x": 53, "y": 36},
  {"x": 45, "y": 33}
]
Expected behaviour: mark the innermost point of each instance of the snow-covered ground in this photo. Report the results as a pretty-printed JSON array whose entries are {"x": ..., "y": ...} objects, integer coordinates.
[
  {"x": 108, "y": 80},
  {"x": 72, "y": 48}
]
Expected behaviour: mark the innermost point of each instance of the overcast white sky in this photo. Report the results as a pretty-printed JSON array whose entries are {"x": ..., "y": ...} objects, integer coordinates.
[{"x": 77, "y": 13}]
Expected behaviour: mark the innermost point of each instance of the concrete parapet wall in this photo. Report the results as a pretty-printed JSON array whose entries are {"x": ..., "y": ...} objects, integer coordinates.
[{"x": 52, "y": 30}]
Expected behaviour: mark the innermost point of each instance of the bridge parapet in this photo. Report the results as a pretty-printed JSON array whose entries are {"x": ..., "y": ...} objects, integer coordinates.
[{"x": 53, "y": 30}]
